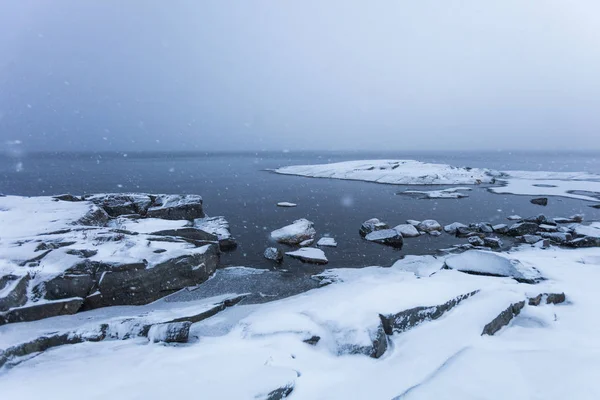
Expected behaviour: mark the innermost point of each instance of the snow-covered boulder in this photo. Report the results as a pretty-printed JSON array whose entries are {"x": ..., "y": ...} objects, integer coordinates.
[
  {"x": 219, "y": 227},
  {"x": 451, "y": 228},
  {"x": 500, "y": 228},
  {"x": 522, "y": 228},
  {"x": 173, "y": 332},
  {"x": 485, "y": 263},
  {"x": 309, "y": 255},
  {"x": 295, "y": 233},
  {"x": 389, "y": 237},
  {"x": 429, "y": 225},
  {"x": 407, "y": 230},
  {"x": 273, "y": 254},
  {"x": 372, "y": 225}
]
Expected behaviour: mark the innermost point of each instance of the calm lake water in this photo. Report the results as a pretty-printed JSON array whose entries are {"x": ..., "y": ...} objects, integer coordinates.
[{"x": 238, "y": 186}]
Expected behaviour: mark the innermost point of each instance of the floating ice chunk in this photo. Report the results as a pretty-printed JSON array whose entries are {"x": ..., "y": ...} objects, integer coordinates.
[
  {"x": 327, "y": 242},
  {"x": 286, "y": 204},
  {"x": 309, "y": 255}
]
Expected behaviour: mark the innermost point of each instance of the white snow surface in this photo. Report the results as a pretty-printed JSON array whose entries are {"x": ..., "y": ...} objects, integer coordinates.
[
  {"x": 400, "y": 172},
  {"x": 547, "y": 352},
  {"x": 577, "y": 185},
  {"x": 286, "y": 204}
]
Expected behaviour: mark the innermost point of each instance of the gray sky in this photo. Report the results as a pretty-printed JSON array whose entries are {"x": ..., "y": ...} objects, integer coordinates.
[{"x": 331, "y": 75}]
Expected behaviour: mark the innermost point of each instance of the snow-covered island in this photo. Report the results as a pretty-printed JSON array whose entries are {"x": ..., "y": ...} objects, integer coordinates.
[{"x": 577, "y": 185}]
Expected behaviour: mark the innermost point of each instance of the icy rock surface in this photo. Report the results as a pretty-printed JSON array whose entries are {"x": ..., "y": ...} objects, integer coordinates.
[
  {"x": 389, "y": 237},
  {"x": 173, "y": 332},
  {"x": 429, "y": 225}
]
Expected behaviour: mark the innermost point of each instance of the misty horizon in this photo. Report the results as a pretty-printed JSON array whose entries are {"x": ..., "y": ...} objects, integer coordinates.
[{"x": 264, "y": 76}]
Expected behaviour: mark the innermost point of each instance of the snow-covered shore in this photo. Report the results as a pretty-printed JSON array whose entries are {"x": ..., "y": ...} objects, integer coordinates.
[
  {"x": 577, "y": 185},
  {"x": 329, "y": 343}
]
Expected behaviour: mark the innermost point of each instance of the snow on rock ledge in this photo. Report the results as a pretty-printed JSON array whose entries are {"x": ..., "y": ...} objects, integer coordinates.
[{"x": 107, "y": 249}]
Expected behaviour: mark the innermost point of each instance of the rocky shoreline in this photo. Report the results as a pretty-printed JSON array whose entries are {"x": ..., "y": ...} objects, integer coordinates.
[{"x": 65, "y": 254}]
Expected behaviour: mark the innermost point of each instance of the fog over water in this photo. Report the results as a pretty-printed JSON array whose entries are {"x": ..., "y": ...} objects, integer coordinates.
[{"x": 105, "y": 75}]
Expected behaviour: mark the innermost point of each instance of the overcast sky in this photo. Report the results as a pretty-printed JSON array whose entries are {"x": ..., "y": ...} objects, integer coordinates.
[{"x": 331, "y": 75}]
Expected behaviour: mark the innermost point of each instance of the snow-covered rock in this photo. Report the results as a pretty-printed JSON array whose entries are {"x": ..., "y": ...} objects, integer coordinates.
[
  {"x": 172, "y": 332},
  {"x": 451, "y": 228},
  {"x": 586, "y": 230},
  {"x": 327, "y": 242},
  {"x": 273, "y": 254},
  {"x": 522, "y": 228},
  {"x": 429, "y": 225},
  {"x": 514, "y": 218},
  {"x": 310, "y": 255},
  {"x": 389, "y": 237},
  {"x": 219, "y": 227},
  {"x": 407, "y": 230},
  {"x": 492, "y": 264},
  {"x": 295, "y": 233},
  {"x": 500, "y": 228},
  {"x": 59, "y": 250},
  {"x": 372, "y": 225}
]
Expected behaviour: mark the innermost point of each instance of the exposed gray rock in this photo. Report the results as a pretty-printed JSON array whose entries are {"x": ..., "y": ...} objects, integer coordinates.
[
  {"x": 96, "y": 216},
  {"x": 538, "y": 219},
  {"x": 17, "y": 295},
  {"x": 273, "y": 254},
  {"x": 372, "y": 225},
  {"x": 44, "y": 343},
  {"x": 492, "y": 242},
  {"x": 116, "y": 204},
  {"x": 540, "y": 201},
  {"x": 548, "y": 298},
  {"x": 531, "y": 239},
  {"x": 41, "y": 310},
  {"x": 408, "y": 319},
  {"x": 388, "y": 237},
  {"x": 68, "y": 285},
  {"x": 503, "y": 318},
  {"x": 500, "y": 228},
  {"x": 279, "y": 393},
  {"x": 67, "y": 197},
  {"x": 586, "y": 241},
  {"x": 482, "y": 227},
  {"x": 548, "y": 228},
  {"x": 557, "y": 237},
  {"x": 173, "y": 332},
  {"x": 141, "y": 286},
  {"x": 522, "y": 228}
]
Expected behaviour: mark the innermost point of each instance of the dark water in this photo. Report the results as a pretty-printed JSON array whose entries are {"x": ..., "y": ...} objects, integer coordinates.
[{"x": 238, "y": 187}]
